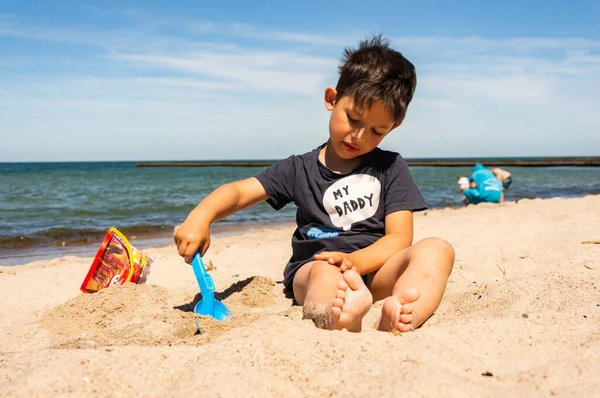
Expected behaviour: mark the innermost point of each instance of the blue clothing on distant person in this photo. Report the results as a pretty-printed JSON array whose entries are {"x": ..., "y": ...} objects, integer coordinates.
[{"x": 488, "y": 189}]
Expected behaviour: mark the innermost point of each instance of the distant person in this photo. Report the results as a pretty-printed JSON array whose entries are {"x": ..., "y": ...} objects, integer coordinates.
[
  {"x": 484, "y": 187},
  {"x": 355, "y": 203},
  {"x": 503, "y": 175}
]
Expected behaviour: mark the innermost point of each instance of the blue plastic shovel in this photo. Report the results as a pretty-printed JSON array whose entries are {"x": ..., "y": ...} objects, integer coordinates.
[{"x": 208, "y": 305}]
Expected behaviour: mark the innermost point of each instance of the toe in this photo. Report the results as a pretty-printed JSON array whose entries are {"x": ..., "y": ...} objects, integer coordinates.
[
  {"x": 404, "y": 327},
  {"x": 336, "y": 312},
  {"x": 338, "y": 303},
  {"x": 353, "y": 280},
  {"x": 406, "y": 309},
  {"x": 408, "y": 296},
  {"x": 406, "y": 318}
]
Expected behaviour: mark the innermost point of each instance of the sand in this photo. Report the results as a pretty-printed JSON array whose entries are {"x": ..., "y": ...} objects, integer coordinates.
[{"x": 520, "y": 317}]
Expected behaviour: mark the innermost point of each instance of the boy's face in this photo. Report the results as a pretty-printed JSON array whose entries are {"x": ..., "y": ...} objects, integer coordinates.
[{"x": 353, "y": 131}]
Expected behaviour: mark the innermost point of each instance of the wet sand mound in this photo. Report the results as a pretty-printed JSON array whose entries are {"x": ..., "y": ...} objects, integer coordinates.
[
  {"x": 149, "y": 315},
  {"x": 255, "y": 292}
]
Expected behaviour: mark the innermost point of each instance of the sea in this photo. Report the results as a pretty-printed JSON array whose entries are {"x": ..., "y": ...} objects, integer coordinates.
[{"x": 50, "y": 210}]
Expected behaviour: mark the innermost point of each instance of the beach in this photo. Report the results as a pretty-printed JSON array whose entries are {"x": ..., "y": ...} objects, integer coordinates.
[{"x": 520, "y": 317}]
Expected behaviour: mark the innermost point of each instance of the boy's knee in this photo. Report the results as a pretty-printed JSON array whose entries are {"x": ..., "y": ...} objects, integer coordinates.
[
  {"x": 443, "y": 248},
  {"x": 321, "y": 269}
]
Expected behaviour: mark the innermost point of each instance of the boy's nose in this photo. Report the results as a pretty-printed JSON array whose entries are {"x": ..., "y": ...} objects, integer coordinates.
[{"x": 359, "y": 134}]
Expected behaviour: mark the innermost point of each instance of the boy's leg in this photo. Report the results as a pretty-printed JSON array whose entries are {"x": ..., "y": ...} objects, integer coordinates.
[
  {"x": 331, "y": 299},
  {"x": 412, "y": 282}
]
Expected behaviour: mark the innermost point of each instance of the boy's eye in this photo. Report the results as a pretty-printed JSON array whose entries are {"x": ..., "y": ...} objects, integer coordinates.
[
  {"x": 350, "y": 119},
  {"x": 377, "y": 132}
]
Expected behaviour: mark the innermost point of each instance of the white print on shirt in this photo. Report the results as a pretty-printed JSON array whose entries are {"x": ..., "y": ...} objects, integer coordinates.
[
  {"x": 352, "y": 199},
  {"x": 491, "y": 184}
]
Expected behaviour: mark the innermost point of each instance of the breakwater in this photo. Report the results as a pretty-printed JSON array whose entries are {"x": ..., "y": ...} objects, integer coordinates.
[{"x": 589, "y": 161}]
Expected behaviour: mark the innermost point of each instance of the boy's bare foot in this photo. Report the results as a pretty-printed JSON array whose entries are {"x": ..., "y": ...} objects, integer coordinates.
[
  {"x": 396, "y": 313},
  {"x": 353, "y": 301}
]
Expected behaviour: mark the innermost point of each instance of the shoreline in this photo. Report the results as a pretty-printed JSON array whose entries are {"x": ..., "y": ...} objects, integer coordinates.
[
  {"x": 218, "y": 230},
  {"x": 146, "y": 242}
]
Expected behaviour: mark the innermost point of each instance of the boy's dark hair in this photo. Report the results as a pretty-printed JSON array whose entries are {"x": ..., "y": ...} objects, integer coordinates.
[{"x": 376, "y": 72}]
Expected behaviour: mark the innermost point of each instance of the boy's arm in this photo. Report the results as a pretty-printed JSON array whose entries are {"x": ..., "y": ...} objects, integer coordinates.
[
  {"x": 229, "y": 198},
  {"x": 398, "y": 236}
]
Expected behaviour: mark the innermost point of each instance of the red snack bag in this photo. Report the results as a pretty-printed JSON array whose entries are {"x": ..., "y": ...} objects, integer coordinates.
[{"x": 116, "y": 263}]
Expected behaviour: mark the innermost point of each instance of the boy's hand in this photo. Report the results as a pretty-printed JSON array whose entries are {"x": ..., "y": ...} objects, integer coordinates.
[
  {"x": 342, "y": 260},
  {"x": 190, "y": 237}
]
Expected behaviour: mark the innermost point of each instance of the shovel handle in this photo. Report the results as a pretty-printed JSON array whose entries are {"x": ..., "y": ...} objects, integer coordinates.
[{"x": 207, "y": 286}]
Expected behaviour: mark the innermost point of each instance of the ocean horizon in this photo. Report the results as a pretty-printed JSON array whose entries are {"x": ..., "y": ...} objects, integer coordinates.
[{"x": 486, "y": 159}]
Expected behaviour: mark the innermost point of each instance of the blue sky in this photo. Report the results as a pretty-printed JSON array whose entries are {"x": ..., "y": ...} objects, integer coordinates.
[{"x": 184, "y": 80}]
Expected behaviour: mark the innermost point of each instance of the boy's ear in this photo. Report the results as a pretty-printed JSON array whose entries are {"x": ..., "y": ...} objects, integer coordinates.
[{"x": 330, "y": 94}]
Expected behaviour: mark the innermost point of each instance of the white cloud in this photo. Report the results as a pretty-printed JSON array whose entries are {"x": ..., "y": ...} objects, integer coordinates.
[
  {"x": 251, "y": 32},
  {"x": 197, "y": 97},
  {"x": 275, "y": 71}
]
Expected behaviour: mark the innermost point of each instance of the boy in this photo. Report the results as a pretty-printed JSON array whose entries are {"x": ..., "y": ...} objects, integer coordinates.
[
  {"x": 355, "y": 204},
  {"x": 484, "y": 187}
]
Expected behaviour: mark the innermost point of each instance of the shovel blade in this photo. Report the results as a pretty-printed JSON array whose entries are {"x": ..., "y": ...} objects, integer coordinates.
[{"x": 213, "y": 308}]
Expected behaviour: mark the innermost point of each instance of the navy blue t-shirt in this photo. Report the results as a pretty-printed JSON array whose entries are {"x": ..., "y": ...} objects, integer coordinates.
[{"x": 339, "y": 212}]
